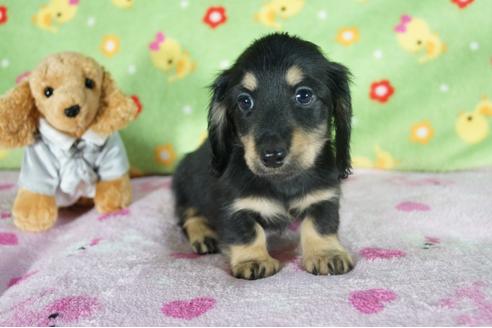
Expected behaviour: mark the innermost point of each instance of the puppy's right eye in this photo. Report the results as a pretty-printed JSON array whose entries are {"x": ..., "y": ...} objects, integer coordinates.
[
  {"x": 245, "y": 102},
  {"x": 48, "y": 92}
]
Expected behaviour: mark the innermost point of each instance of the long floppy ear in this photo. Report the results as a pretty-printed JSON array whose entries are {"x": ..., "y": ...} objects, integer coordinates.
[
  {"x": 18, "y": 117},
  {"x": 116, "y": 110},
  {"x": 342, "y": 104},
  {"x": 220, "y": 128}
]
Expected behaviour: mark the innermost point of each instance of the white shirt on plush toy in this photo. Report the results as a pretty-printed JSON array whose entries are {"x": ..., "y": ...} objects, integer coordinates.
[{"x": 69, "y": 168}]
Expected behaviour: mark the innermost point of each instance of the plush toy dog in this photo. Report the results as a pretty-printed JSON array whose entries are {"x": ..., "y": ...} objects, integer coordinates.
[{"x": 67, "y": 111}]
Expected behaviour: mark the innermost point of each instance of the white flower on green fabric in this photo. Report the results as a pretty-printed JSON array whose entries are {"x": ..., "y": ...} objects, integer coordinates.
[
  {"x": 91, "y": 21},
  {"x": 187, "y": 109},
  {"x": 322, "y": 14},
  {"x": 224, "y": 64},
  {"x": 474, "y": 46},
  {"x": 5, "y": 63},
  {"x": 132, "y": 69},
  {"x": 444, "y": 87},
  {"x": 378, "y": 54}
]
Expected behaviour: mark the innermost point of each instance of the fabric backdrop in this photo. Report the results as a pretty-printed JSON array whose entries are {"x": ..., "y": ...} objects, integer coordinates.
[{"x": 422, "y": 69}]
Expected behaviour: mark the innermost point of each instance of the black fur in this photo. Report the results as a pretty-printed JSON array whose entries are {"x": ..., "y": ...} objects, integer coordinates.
[{"x": 211, "y": 178}]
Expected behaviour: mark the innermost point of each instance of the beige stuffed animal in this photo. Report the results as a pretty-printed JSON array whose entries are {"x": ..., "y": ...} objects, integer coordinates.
[{"x": 67, "y": 113}]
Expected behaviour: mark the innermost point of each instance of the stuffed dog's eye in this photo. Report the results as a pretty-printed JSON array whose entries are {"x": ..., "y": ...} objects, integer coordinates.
[
  {"x": 48, "y": 92},
  {"x": 89, "y": 84},
  {"x": 304, "y": 96},
  {"x": 245, "y": 102}
]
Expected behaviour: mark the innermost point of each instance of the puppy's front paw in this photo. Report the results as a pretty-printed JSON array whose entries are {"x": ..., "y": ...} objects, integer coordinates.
[
  {"x": 34, "y": 212},
  {"x": 332, "y": 262},
  {"x": 113, "y": 195},
  {"x": 206, "y": 245},
  {"x": 256, "y": 269}
]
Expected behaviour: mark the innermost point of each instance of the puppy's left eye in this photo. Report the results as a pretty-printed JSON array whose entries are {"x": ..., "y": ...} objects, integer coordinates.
[
  {"x": 90, "y": 84},
  {"x": 304, "y": 96}
]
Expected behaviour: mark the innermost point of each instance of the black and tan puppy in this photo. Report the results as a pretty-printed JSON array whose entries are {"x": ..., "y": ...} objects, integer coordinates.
[{"x": 270, "y": 158}]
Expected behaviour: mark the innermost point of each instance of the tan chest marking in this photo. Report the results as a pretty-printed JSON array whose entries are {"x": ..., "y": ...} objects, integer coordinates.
[
  {"x": 317, "y": 196},
  {"x": 267, "y": 208}
]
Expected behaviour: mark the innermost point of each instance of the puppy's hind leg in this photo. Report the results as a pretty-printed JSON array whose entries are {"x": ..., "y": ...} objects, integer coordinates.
[{"x": 202, "y": 237}]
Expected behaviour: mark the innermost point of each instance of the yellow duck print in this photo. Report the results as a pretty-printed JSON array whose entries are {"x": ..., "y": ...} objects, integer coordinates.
[
  {"x": 275, "y": 9},
  {"x": 167, "y": 55},
  {"x": 473, "y": 127},
  {"x": 415, "y": 36},
  {"x": 384, "y": 160},
  {"x": 55, "y": 13},
  {"x": 125, "y": 4}
]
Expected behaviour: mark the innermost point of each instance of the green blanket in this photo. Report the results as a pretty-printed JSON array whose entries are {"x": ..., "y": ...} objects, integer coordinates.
[{"x": 422, "y": 70}]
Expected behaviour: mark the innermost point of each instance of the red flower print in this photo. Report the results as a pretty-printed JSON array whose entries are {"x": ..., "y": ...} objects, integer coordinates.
[
  {"x": 3, "y": 15},
  {"x": 462, "y": 3},
  {"x": 137, "y": 102},
  {"x": 381, "y": 91},
  {"x": 215, "y": 16}
]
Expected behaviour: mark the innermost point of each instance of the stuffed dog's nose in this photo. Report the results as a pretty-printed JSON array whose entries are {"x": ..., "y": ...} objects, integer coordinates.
[{"x": 72, "y": 111}]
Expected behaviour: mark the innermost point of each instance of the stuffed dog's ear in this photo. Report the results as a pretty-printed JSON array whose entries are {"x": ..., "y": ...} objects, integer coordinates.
[
  {"x": 18, "y": 117},
  {"x": 220, "y": 129},
  {"x": 116, "y": 110},
  {"x": 342, "y": 115}
]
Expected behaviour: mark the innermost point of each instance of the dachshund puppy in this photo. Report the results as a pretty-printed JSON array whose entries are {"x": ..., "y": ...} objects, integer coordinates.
[{"x": 270, "y": 158}]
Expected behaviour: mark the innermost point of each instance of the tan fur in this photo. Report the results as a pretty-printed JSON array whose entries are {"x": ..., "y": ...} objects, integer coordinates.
[
  {"x": 104, "y": 110},
  {"x": 322, "y": 253},
  {"x": 294, "y": 75},
  {"x": 307, "y": 145},
  {"x": 305, "y": 148},
  {"x": 267, "y": 208},
  {"x": 66, "y": 74},
  {"x": 218, "y": 115},
  {"x": 197, "y": 229},
  {"x": 116, "y": 110},
  {"x": 246, "y": 259},
  {"x": 249, "y": 150},
  {"x": 34, "y": 212},
  {"x": 85, "y": 202},
  {"x": 18, "y": 117},
  {"x": 314, "y": 197},
  {"x": 113, "y": 195},
  {"x": 190, "y": 212},
  {"x": 249, "y": 81}
]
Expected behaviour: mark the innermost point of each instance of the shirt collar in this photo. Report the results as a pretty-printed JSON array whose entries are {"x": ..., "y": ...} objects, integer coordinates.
[{"x": 64, "y": 141}]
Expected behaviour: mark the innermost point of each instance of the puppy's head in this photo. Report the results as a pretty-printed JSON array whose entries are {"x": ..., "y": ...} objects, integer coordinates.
[{"x": 278, "y": 102}]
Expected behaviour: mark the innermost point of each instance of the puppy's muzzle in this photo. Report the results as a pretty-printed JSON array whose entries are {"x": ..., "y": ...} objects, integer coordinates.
[{"x": 72, "y": 111}]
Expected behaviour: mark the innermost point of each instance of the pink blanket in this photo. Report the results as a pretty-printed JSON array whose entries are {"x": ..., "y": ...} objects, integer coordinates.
[{"x": 422, "y": 242}]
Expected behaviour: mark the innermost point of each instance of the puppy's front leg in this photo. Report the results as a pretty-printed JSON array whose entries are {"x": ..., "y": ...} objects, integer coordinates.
[
  {"x": 248, "y": 252},
  {"x": 322, "y": 252}
]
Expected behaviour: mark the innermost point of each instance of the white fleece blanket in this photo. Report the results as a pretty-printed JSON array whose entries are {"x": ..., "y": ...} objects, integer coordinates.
[{"x": 422, "y": 244}]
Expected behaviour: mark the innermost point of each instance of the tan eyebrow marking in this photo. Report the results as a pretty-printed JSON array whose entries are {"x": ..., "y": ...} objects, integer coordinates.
[
  {"x": 249, "y": 81},
  {"x": 294, "y": 75}
]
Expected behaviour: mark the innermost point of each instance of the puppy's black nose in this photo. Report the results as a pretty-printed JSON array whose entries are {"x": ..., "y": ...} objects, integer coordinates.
[
  {"x": 72, "y": 111},
  {"x": 273, "y": 158}
]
